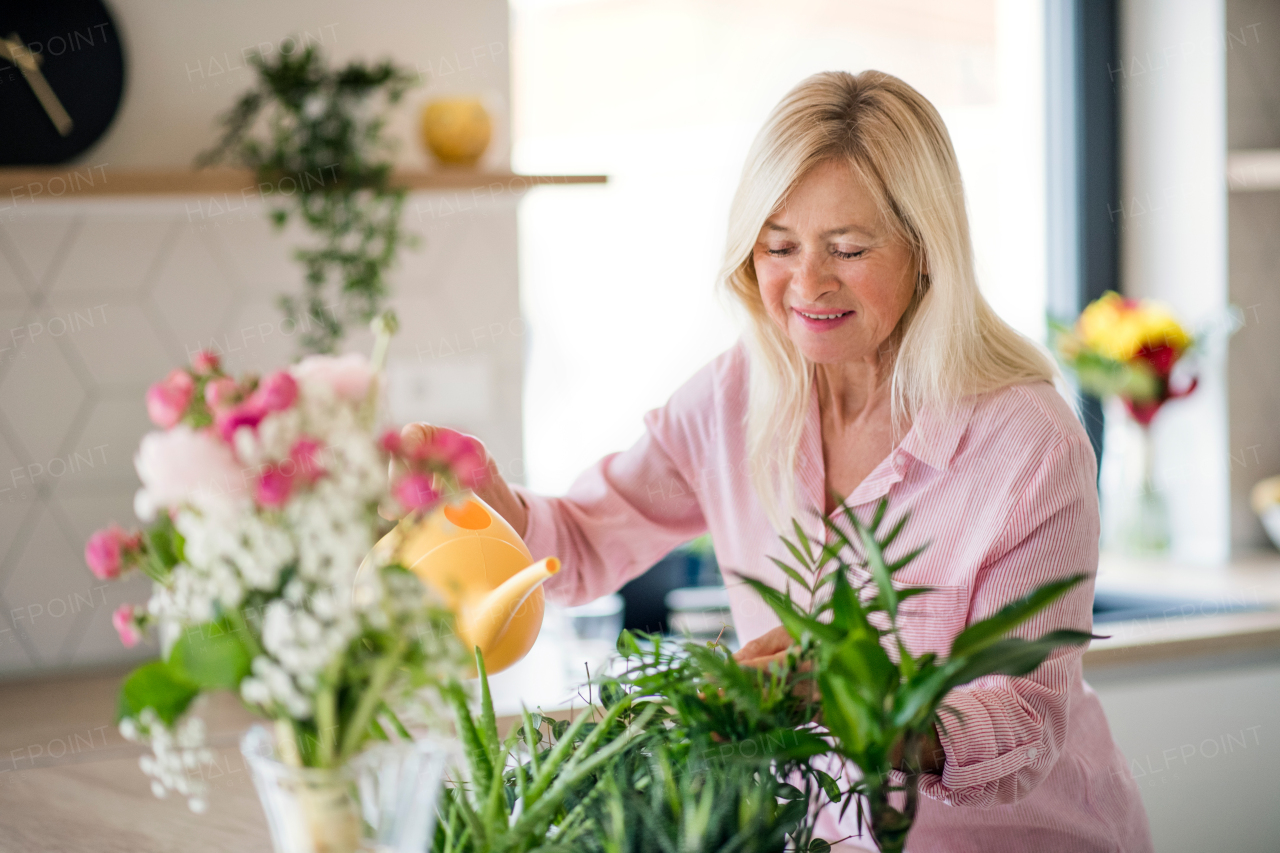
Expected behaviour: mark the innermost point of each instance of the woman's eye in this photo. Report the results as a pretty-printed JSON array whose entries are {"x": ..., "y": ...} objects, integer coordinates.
[
  {"x": 847, "y": 255},
  {"x": 777, "y": 253}
]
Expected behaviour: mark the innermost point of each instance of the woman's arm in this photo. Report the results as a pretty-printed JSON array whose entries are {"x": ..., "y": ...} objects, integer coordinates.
[{"x": 621, "y": 516}]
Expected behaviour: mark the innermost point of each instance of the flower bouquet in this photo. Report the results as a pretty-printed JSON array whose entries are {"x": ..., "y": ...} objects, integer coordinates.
[
  {"x": 1128, "y": 349},
  {"x": 261, "y": 499}
]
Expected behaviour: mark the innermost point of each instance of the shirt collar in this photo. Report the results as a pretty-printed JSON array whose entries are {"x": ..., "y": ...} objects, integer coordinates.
[{"x": 935, "y": 434}]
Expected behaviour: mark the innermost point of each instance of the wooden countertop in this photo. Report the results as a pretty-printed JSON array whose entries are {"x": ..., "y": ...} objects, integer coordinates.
[{"x": 70, "y": 783}]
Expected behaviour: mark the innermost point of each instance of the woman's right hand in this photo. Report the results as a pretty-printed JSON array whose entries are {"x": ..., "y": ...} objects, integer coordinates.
[{"x": 490, "y": 487}]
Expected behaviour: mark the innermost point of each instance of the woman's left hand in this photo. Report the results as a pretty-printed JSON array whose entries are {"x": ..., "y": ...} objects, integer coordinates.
[{"x": 770, "y": 647}]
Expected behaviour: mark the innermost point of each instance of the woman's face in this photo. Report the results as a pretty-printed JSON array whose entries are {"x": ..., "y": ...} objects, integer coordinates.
[{"x": 831, "y": 273}]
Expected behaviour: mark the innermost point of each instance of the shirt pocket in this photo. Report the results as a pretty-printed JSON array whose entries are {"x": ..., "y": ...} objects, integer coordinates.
[{"x": 930, "y": 621}]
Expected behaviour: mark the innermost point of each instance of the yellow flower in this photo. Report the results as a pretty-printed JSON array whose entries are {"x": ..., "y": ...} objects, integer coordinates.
[{"x": 1118, "y": 328}]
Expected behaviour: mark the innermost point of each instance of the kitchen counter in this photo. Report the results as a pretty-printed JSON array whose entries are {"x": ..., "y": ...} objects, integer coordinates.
[
  {"x": 69, "y": 782},
  {"x": 1201, "y": 627}
]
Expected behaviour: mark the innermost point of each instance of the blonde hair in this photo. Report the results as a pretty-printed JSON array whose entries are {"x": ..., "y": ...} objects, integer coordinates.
[{"x": 951, "y": 343}]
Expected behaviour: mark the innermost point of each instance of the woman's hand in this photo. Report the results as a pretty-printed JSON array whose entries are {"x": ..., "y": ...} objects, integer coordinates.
[
  {"x": 770, "y": 647},
  {"x": 492, "y": 489}
]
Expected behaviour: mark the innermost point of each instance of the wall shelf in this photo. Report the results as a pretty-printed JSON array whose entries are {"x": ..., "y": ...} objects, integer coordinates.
[
  {"x": 90, "y": 181},
  {"x": 1257, "y": 170}
]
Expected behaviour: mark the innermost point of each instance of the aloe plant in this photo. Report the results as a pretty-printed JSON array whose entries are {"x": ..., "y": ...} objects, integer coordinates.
[{"x": 874, "y": 706}]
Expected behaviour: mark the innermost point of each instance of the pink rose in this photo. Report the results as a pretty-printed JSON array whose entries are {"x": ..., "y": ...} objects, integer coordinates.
[
  {"x": 462, "y": 453},
  {"x": 249, "y": 413},
  {"x": 277, "y": 392},
  {"x": 107, "y": 551},
  {"x": 221, "y": 393},
  {"x": 273, "y": 488},
  {"x": 205, "y": 363},
  {"x": 126, "y": 625},
  {"x": 415, "y": 491},
  {"x": 348, "y": 375},
  {"x": 305, "y": 456},
  {"x": 185, "y": 466},
  {"x": 168, "y": 399}
]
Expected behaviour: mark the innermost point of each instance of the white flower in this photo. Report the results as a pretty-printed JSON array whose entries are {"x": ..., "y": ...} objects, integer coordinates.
[{"x": 182, "y": 466}]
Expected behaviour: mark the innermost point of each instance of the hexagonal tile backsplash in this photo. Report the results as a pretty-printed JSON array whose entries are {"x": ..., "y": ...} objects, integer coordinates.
[{"x": 98, "y": 300}]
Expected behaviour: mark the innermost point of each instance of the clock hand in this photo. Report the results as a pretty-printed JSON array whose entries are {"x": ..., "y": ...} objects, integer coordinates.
[{"x": 16, "y": 52}]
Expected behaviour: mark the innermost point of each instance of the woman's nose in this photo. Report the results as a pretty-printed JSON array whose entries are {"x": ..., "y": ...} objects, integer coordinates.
[{"x": 813, "y": 277}]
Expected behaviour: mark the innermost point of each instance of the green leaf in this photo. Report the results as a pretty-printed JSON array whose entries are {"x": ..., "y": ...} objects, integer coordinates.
[
  {"x": 803, "y": 540},
  {"x": 790, "y": 572},
  {"x": 982, "y": 634},
  {"x": 210, "y": 656},
  {"x": 1013, "y": 656},
  {"x": 792, "y": 618},
  {"x": 627, "y": 645},
  {"x": 155, "y": 685}
]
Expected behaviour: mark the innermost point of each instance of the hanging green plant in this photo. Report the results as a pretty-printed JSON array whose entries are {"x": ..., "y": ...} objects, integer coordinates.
[{"x": 314, "y": 137}]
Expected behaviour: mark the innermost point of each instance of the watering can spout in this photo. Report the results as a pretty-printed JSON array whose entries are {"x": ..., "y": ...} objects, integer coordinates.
[{"x": 483, "y": 623}]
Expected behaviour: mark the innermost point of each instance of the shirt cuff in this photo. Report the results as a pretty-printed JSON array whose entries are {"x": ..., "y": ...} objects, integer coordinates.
[{"x": 972, "y": 746}]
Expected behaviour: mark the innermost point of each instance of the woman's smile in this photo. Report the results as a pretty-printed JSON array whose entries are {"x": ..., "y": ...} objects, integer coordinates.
[{"x": 822, "y": 320}]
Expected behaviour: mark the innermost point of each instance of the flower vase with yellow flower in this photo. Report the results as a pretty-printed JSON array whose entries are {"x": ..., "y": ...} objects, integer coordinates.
[{"x": 1127, "y": 349}]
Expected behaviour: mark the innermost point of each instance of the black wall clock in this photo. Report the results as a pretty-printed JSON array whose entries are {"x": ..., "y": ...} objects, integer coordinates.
[{"x": 61, "y": 78}]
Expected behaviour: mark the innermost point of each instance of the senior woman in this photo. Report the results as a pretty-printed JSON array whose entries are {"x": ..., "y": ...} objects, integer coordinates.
[{"x": 873, "y": 367}]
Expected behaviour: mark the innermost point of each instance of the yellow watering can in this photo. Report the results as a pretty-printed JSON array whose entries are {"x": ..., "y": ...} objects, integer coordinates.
[{"x": 474, "y": 559}]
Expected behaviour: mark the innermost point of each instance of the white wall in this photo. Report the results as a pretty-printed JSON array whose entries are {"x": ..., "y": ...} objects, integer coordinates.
[
  {"x": 1173, "y": 236},
  {"x": 98, "y": 299}
]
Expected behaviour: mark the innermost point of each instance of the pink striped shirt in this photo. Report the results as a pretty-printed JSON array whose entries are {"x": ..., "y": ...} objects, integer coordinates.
[{"x": 1002, "y": 489}]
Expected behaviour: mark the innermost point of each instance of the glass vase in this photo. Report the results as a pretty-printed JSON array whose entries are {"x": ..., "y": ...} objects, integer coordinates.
[
  {"x": 382, "y": 800},
  {"x": 1144, "y": 519}
]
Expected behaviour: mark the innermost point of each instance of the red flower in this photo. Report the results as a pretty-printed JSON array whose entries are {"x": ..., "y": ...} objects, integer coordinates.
[
  {"x": 249, "y": 413},
  {"x": 277, "y": 392}
]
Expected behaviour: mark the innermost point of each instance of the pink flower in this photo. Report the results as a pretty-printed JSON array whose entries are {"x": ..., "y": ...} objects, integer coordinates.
[
  {"x": 186, "y": 466},
  {"x": 273, "y": 488},
  {"x": 462, "y": 453},
  {"x": 348, "y": 375},
  {"x": 415, "y": 491},
  {"x": 390, "y": 442},
  {"x": 108, "y": 550},
  {"x": 305, "y": 456},
  {"x": 205, "y": 363},
  {"x": 277, "y": 392},
  {"x": 221, "y": 393},
  {"x": 249, "y": 413},
  {"x": 126, "y": 625},
  {"x": 168, "y": 399}
]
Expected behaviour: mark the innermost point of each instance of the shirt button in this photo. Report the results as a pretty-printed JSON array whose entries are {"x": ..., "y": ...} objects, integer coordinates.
[{"x": 1031, "y": 753}]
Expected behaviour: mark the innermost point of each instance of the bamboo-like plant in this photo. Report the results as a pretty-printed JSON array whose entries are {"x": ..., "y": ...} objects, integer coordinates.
[{"x": 873, "y": 706}]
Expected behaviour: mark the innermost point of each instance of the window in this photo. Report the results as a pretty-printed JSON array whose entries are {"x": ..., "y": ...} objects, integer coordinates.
[{"x": 665, "y": 96}]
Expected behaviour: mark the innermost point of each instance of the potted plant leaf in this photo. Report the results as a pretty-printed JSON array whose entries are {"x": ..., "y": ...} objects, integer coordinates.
[
  {"x": 314, "y": 137},
  {"x": 874, "y": 707}
]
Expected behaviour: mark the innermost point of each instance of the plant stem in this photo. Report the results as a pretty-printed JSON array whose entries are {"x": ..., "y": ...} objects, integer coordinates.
[
  {"x": 372, "y": 696},
  {"x": 237, "y": 620},
  {"x": 327, "y": 712}
]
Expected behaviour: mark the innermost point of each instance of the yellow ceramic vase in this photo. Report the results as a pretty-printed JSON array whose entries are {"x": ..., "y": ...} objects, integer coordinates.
[
  {"x": 456, "y": 130},
  {"x": 474, "y": 559}
]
